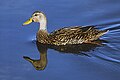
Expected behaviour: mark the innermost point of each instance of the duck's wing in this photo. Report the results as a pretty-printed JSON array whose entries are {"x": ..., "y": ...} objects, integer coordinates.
[
  {"x": 66, "y": 30},
  {"x": 73, "y": 35}
]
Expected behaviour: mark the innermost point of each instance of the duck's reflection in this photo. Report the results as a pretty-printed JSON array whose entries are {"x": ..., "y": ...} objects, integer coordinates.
[{"x": 40, "y": 64}]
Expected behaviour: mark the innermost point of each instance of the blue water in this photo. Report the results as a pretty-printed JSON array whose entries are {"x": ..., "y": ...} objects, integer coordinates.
[{"x": 16, "y": 41}]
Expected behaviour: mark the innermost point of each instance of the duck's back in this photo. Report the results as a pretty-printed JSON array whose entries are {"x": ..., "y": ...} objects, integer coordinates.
[{"x": 75, "y": 35}]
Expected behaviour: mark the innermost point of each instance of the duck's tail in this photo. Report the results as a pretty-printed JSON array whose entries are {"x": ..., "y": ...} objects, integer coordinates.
[{"x": 102, "y": 32}]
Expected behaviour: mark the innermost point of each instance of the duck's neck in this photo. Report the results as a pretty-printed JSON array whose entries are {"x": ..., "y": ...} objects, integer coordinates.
[
  {"x": 43, "y": 58},
  {"x": 43, "y": 23}
]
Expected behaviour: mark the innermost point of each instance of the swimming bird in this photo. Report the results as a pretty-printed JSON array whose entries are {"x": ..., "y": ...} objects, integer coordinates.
[{"x": 64, "y": 36}]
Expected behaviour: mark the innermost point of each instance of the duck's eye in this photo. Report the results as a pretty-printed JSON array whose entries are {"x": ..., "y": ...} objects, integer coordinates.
[{"x": 35, "y": 14}]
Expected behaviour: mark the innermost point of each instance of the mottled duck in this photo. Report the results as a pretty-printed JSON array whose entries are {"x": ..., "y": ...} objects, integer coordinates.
[{"x": 64, "y": 36}]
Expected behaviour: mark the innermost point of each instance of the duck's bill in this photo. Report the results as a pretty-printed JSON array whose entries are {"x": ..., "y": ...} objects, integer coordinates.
[
  {"x": 28, "y": 22},
  {"x": 28, "y": 59}
]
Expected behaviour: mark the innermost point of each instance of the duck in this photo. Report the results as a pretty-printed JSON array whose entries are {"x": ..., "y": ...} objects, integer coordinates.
[{"x": 65, "y": 36}]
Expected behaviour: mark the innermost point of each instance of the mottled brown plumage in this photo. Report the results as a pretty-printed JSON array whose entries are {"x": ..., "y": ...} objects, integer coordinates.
[
  {"x": 70, "y": 35},
  {"x": 64, "y": 36}
]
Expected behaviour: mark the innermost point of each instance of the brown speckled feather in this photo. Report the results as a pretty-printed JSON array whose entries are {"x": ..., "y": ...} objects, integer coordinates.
[
  {"x": 42, "y": 37},
  {"x": 70, "y": 35},
  {"x": 75, "y": 35}
]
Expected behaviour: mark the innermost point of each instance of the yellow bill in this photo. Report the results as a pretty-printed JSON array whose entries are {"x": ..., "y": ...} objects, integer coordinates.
[{"x": 27, "y": 22}]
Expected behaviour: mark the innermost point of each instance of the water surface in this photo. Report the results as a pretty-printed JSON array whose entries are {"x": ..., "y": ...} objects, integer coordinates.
[{"x": 100, "y": 63}]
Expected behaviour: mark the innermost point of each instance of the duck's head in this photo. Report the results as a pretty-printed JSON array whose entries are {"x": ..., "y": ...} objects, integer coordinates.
[
  {"x": 38, "y": 64},
  {"x": 37, "y": 16}
]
